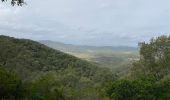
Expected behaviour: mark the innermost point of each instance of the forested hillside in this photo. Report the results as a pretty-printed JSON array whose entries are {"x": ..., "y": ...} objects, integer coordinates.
[
  {"x": 84, "y": 50},
  {"x": 26, "y": 55},
  {"x": 31, "y": 71},
  {"x": 47, "y": 70}
]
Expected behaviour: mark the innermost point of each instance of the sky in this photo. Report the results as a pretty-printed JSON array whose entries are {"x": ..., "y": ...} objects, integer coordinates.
[{"x": 87, "y": 22}]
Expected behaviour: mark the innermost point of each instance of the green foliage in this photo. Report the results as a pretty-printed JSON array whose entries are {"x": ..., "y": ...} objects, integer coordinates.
[
  {"x": 45, "y": 88},
  {"x": 141, "y": 89},
  {"x": 131, "y": 90},
  {"x": 26, "y": 57},
  {"x": 49, "y": 74},
  {"x": 162, "y": 89},
  {"x": 10, "y": 85},
  {"x": 12, "y": 88},
  {"x": 149, "y": 78},
  {"x": 154, "y": 58}
]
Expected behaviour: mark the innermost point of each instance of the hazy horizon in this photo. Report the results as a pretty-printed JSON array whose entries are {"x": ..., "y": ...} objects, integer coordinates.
[
  {"x": 85, "y": 44},
  {"x": 87, "y": 22}
]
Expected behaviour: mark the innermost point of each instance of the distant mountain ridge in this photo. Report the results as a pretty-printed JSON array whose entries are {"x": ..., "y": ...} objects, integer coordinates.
[{"x": 85, "y": 48}]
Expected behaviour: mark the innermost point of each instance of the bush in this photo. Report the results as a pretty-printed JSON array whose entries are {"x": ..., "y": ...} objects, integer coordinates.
[{"x": 10, "y": 85}]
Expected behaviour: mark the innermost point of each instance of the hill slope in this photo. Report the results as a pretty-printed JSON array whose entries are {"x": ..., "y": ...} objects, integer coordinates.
[
  {"x": 34, "y": 56},
  {"x": 31, "y": 60}
]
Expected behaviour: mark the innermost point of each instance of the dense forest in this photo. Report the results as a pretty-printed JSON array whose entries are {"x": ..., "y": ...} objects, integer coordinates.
[
  {"x": 32, "y": 71},
  {"x": 47, "y": 74}
]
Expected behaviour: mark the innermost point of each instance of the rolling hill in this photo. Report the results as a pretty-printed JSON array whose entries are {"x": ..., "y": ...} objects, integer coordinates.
[{"x": 31, "y": 60}]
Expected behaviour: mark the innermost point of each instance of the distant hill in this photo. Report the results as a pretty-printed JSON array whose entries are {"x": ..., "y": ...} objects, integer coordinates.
[
  {"x": 31, "y": 60},
  {"x": 84, "y": 48},
  {"x": 118, "y": 58}
]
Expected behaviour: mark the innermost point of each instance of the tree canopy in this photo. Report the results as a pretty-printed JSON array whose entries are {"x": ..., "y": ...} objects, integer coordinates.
[
  {"x": 15, "y": 2},
  {"x": 48, "y": 74},
  {"x": 150, "y": 78}
]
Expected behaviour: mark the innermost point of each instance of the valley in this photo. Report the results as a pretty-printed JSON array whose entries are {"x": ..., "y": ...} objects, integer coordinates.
[
  {"x": 30, "y": 70},
  {"x": 84, "y": 50},
  {"x": 116, "y": 58}
]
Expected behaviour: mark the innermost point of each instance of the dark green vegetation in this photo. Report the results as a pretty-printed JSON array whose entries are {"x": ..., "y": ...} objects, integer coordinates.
[
  {"x": 150, "y": 76},
  {"x": 32, "y": 71},
  {"x": 10, "y": 85},
  {"x": 47, "y": 74}
]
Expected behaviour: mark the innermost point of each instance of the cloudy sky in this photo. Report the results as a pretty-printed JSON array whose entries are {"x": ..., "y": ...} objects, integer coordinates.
[{"x": 87, "y": 22}]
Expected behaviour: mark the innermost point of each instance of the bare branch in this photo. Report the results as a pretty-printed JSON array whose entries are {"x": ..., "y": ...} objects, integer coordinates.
[{"x": 15, "y": 2}]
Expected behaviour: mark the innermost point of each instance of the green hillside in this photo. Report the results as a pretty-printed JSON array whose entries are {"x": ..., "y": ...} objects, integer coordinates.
[
  {"x": 32, "y": 56},
  {"x": 32, "y": 71},
  {"x": 33, "y": 62}
]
